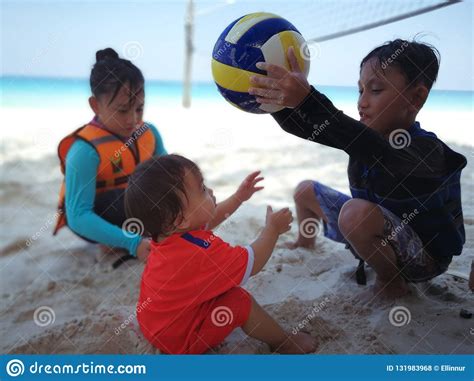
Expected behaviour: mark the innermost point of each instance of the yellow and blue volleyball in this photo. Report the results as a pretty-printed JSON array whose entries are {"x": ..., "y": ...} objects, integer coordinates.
[{"x": 257, "y": 37}]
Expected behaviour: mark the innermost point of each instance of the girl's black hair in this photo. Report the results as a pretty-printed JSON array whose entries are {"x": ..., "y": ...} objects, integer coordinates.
[
  {"x": 418, "y": 62},
  {"x": 110, "y": 73}
]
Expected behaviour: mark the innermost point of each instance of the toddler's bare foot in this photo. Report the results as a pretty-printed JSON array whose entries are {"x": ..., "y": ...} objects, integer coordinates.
[{"x": 297, "y": 344}]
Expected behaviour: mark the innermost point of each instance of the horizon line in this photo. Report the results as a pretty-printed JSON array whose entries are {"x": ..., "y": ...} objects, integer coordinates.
[{"x": 197, "y": 82}]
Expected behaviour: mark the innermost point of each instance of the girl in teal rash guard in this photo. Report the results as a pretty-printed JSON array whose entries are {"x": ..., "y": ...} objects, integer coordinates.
[{"x": 97, "y": 158}]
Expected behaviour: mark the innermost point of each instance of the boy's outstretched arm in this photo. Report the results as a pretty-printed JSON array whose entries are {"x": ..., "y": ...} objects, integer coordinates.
[
  {"x": 311, "y": 115},
  {"x": 276, "y": 223},
  {"x": 246, "y": 189}
]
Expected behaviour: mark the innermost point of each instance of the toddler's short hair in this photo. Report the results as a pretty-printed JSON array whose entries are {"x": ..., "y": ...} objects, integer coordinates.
[{"x": 155, "y": 192}]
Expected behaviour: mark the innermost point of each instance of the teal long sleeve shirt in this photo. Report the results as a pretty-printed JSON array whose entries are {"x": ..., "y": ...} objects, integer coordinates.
[{"x": 82, "y": 162}]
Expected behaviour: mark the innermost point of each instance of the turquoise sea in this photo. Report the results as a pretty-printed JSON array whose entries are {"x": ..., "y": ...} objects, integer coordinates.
[
  {"x": 44, "y": 110},
  {"x": 69, "y": 92}
]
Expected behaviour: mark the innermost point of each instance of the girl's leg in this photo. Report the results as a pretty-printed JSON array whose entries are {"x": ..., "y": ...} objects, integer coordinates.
[
  {"x": 260, "y": 325},
  {"x": 307, "y": 208},
  {"x": 110, "y": 206}
]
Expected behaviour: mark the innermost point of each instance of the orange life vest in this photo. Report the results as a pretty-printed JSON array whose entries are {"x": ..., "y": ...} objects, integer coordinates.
[{"x": 117, "y": 159}]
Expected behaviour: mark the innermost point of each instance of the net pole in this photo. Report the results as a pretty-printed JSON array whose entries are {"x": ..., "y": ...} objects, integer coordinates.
[{"x": 189, "y": 48}]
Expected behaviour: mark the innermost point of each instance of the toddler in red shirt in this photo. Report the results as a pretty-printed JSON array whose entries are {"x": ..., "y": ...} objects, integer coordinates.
[{"x": 191, "y": 285}]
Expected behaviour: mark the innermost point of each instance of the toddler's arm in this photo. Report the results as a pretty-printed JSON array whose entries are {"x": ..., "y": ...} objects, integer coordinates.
[
  {"x": 276, "y": 223},
  {"x": 225, "y": 208}
]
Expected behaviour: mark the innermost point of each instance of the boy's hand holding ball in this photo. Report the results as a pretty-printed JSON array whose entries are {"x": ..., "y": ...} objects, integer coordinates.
[{"x": 281, "y": 87}]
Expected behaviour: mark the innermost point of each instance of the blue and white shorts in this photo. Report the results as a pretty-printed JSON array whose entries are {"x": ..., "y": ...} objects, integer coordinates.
[{"x": 415, "y": 264}]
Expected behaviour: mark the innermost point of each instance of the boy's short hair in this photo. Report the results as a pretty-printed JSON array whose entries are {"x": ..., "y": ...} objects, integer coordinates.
[
  {"x": 155, "y": 193},
  {"x": 418, "y": 62}
]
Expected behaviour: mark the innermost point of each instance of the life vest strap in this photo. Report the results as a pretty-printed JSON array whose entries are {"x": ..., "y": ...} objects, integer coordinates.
[
  {"x": 103, "y": 139},
  {"x": 110, "y": 183}
]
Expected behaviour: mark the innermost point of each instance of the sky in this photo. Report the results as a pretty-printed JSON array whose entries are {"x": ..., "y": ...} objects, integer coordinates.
[{"x": 60, "y": 38}]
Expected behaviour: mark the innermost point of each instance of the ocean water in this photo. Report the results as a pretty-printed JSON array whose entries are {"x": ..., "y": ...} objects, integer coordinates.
[
  {"x": 38, "y": 112},
  {"x": 21, "y": 92}
]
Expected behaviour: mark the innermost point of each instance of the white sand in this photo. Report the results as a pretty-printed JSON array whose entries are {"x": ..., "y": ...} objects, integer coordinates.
[{"x": 312, "y": 288}]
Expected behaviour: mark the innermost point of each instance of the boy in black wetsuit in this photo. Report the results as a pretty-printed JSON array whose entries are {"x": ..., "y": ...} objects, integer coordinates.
[{"x": 405, "y": 216}]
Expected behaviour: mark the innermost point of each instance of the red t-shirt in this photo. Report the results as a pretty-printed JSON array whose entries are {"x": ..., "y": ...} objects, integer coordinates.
[{"x": 182, "y": 273}]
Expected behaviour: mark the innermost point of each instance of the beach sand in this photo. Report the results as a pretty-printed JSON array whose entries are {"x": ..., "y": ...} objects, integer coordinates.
[{"x": 61, "y": 295}]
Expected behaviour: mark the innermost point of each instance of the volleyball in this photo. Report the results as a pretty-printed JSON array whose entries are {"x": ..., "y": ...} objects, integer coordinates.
[{"x": 256, "y": 37}]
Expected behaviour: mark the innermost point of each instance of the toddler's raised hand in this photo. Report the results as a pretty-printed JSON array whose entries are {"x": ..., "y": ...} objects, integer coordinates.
[
  {"x": 248, "y": 186},
  {"x": 280, "y": 220}
]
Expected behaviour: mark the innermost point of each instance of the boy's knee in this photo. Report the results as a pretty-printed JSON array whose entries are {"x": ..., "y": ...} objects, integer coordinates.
[
  {"x": 304, "y": 190},
  {"x": 355, "y": 218}
]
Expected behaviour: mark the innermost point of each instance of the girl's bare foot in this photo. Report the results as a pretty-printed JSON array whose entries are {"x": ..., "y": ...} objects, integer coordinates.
[{"x": 297, "y": 344}]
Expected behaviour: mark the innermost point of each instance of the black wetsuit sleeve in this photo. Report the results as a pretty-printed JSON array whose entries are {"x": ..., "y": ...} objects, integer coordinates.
[{"x": 316, "y": 119}]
